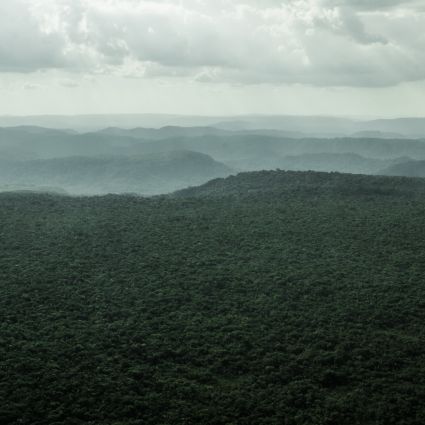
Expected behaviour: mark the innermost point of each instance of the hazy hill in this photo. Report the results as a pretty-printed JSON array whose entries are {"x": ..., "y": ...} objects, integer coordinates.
[
  {"x": 163, "y": 132},
  {"x": 376, "y": 134},
  {"x": 244, "y": 150},
  {"x": 414, "y": 127},
  {"x": 407, "y": 168},
  {"x": 170, "y": 132},
  {"x": 97, "y": 122},
  {"x": 315, "y": 125},
  {"x": 148, "y": 174},
  {"x": 222, "y": 145},
  {"x": 341, "y": 162},
  {"x": 26, "y": 143},
  {"x": 31, "y": 188},
  {"x": 262, "y": 151}
]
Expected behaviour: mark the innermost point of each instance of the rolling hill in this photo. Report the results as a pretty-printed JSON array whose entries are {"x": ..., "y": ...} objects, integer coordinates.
[
  {"x": 120, "y": 160},
  {"x": 149, "y": 174},
  {"x": 406, "y": 168}
]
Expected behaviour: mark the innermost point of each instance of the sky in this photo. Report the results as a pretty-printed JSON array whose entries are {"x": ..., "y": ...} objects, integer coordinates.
[{"x": 213, "y": 57}]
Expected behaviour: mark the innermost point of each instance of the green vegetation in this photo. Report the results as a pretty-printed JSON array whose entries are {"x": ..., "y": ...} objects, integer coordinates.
[{"x": 265, "y": 298}]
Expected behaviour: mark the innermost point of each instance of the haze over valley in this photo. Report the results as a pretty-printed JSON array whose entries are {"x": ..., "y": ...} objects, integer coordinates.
[{"x": 151, "y": 161}]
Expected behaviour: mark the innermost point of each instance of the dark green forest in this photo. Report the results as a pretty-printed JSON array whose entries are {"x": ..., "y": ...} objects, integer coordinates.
[{"x": 265, "y": 298}]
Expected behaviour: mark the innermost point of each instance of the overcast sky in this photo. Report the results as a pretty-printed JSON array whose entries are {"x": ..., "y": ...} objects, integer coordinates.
[{"x": 333, "y": 57}]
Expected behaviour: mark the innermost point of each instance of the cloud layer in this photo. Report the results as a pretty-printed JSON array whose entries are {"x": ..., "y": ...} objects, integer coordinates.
[{"x": 317, "y": 42}]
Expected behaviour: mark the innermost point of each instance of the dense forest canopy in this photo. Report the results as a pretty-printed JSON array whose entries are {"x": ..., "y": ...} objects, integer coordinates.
[{"x": 265, "y": 298}]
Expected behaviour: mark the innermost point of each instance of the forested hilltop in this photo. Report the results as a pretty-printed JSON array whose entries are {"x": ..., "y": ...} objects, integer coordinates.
[{"x": 265, "y": 298}]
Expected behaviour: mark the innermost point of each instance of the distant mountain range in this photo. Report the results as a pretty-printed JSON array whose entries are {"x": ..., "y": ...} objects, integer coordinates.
[
  {"x": 168, "y": 132},
  {"x": 343, "y": 162},
  {"x": 152, "y": 161},
  {"x": 318, "y": 126},
  {"x": 40, "y": 143}
]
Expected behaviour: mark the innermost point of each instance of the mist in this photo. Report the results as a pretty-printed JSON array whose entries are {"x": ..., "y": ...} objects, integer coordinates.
[{"x": 79, "y": 156}]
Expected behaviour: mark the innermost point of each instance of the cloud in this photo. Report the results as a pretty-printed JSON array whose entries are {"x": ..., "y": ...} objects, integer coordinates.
[
  {"x": 373, "y": 4},
  {"x": 31, "y": 86},
  {"x": 24, "y": 47},
  {"x": 68, "y": 83},
  {"x": 316, "y": 42}
]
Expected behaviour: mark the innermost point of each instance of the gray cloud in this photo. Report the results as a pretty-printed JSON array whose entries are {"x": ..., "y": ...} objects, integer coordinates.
[
  {"x": 68, "y": 83},
  {"x": 373, "y": 4},
  {"x": 316, "y": 42},
  {"x": 24, "y": 47},
  {"x": 30, "y": 86}
]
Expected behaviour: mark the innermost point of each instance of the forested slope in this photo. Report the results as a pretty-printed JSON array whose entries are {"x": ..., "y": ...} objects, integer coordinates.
[{"x": 265, "y": 298}]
